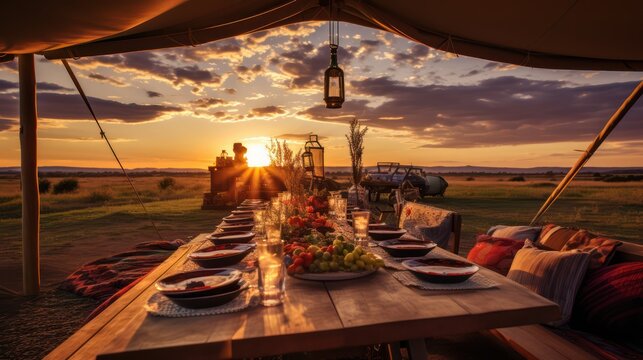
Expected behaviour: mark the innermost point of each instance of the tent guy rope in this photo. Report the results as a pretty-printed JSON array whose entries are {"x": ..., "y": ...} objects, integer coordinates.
[{"x": 111, "y": 148}]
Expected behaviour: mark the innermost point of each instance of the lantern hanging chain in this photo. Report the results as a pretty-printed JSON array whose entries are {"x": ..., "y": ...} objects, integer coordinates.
[
  {"x": 333, "y": 28},
  {"x": 104, "y": 136}
]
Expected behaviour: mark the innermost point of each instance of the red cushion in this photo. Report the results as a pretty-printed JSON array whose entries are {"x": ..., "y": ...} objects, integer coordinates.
[
  {"x": 495, "y": 253},
  {"x": 610, "y": 301}
]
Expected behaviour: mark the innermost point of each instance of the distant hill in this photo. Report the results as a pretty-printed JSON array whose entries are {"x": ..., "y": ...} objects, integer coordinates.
[
  {"x": 469, "y": 169},
  {"x": 91, "y": 170}
]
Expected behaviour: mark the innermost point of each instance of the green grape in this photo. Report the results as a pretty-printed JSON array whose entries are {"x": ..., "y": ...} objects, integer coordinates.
[
  {"x": 354, "y": 268},
  {"x": 324, "y": 266},
  {"x": 349, "y": 258},
  {"x": 360, "y": 264},
  {"x": 334, "y": 266}
]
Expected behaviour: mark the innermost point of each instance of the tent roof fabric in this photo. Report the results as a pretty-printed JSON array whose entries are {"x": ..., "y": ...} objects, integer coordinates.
[{"x": 559, "y": 34}]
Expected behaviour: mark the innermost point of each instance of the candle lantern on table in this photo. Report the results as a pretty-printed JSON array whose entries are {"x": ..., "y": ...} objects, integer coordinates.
[{"x": 360, "y": 227}]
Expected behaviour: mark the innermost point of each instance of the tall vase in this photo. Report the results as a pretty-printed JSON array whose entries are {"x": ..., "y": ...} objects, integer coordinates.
[{"x": 357, "y": 197}]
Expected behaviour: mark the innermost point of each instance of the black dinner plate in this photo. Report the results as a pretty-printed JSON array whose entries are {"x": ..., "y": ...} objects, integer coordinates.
[
  {"x": 221, "y": 255},
  {"x": 406, "y": 248},
  {"x": 206, "y": 301}
]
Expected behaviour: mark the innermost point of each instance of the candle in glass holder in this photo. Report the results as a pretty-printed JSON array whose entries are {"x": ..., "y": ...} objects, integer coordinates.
[{"x": 360, "y": 226}]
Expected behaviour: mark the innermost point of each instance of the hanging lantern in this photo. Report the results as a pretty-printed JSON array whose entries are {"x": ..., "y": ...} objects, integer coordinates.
[
  {"x": 313, "y": 159},
  {"x": 334, "y": 75},
  {"x": 307, "y": 160}
]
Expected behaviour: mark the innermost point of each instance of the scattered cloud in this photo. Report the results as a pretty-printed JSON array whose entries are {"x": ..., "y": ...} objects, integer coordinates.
[
  {"x": 304, "y": 66},
  {"x": 106, "y": 79},
  {"x": 503, "y": 110},
  {"x": 267, "y": 111},
  {"x": 153, "y": 94},
  {"x": 298, "y": 137},
  {"x": 415, "y": 56},
  {"x": 7, "y": 124},
  {"x": 71, "y": 107},
  {"x": 205, "y": 103},
  {"x": 248, "y": 74}
]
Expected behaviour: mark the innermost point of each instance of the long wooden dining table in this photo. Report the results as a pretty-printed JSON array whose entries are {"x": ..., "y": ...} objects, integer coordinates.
[{"x": 376, "y": 309}]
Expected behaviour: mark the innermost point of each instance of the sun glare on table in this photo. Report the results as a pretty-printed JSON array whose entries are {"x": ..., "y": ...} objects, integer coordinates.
[{"x": 257, "y": 155}]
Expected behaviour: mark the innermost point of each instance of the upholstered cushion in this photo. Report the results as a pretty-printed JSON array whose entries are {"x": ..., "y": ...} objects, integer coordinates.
[
  {"x": 414, "y": 217},
  {"x": 552, "y": 274},
  {"x": 554, "y": 237},
  {"x": 494, "y": 253},
  {"x": 515, "y": 232},
  {"x": 610, "y": 301},
  {"x": 601, "y": 248}
]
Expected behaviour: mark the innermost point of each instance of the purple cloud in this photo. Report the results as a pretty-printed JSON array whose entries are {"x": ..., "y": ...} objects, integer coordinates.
[
  {"x": 71, "y": 107},
  {"x": 500, "y": 111}
]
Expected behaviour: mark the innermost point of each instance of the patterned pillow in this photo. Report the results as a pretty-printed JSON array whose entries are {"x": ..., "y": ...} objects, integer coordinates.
[
  {"x": 495, "y": 253},
  {"x": 601, "y": 249},
  {"x": 552, "y": 274},
  {"x": 515, "y": 232},
  {"x": 554, "y": 237},
  {"x": 610, "y": 301}
]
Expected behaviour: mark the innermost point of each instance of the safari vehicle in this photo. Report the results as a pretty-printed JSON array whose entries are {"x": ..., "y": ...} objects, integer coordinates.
[{"x": 390, "y": 176}]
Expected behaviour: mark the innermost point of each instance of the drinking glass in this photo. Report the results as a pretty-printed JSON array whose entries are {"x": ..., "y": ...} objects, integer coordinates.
[
  {"x": 259, "y": 217},
  {"x": 273, "y": 232},
  {"x": 271, "y": 277},
  {"x": 340, "y": 209},
  {"x": 360, "y": 227},
  {"x": 331, "y": 206}
]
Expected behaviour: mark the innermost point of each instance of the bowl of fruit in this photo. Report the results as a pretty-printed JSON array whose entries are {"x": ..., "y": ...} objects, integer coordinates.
[{"x": 339, "y": 260}]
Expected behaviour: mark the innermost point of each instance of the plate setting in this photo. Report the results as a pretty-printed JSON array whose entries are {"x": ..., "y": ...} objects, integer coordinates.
[
  {"x": 237, "y": 227},
  {"x": 440, "y": 270},
  {"x": 407, "y": 248},
  {"x": 237, "y": 219},
  {"x": 228, "y": 237},
  {"x": 199, "y": 283},
  {"x": 221, "y": 255},
  {"x": 386, "y": 233}
]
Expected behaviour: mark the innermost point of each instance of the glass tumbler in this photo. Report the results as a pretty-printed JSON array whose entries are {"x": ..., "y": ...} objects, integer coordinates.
[
  {"x": 271, "y": 277},
  {"x": 360, "y": 227}
]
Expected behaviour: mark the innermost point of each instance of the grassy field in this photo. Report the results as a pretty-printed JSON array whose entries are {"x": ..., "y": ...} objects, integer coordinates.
[{"x": 103, "y": 218}]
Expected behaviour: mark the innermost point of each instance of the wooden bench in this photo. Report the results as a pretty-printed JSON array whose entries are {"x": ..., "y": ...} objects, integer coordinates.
[{"x": 539, "y": 342}]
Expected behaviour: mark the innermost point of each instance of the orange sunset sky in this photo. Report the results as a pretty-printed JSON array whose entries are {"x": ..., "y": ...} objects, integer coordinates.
[{"x": 180, "y": 107}]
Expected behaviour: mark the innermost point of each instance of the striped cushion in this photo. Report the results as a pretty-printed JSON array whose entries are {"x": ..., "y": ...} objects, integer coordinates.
[
  {"x": 610, "y": 301},
  {"x": 515, "y": 232},
  {"x": 554, "y": 237},
  {"x": 552, "y": 274}
]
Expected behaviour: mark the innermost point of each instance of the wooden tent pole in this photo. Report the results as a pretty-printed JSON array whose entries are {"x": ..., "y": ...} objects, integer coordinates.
[
  {"x": 29, "y": 176},
  {"x": 587, "y": 154}
]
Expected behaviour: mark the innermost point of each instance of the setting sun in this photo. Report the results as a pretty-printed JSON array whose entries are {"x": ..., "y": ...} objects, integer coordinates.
[{"x": 257, "y": 155}]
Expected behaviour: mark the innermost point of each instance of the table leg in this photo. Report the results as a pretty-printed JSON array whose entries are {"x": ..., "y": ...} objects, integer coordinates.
[
  {"x": 417, "y": 349},
  {"x": 394, "y": 351}
]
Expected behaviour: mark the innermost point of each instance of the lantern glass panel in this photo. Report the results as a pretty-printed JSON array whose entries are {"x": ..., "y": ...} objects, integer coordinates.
[{"x": 318, "y": 162}]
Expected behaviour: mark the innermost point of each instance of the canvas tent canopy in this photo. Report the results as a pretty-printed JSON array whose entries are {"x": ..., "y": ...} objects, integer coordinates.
[{"x": 560, "y": 34}]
